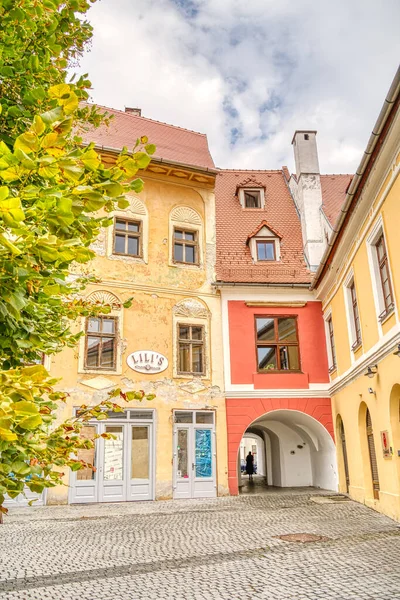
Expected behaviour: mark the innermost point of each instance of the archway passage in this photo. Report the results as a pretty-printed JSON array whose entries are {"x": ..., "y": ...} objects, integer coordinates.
[{"x": 299, "y": 448}]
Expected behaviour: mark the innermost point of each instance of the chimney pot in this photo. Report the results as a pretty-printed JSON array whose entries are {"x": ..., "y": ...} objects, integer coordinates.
[{"x": 133, "y": 111}]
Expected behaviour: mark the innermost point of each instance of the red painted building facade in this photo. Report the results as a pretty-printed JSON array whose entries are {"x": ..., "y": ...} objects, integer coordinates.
[{"x": 275, "y": 360}]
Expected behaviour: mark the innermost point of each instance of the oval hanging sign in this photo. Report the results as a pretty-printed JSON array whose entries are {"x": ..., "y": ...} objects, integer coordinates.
[{"x": 147, "y": 361}]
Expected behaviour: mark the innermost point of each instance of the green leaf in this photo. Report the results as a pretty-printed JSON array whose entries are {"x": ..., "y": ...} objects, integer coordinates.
[
  {"x": 30, "y": 423},
  {"x": 7, "y": 436},
  {"x": 25, "y": 408},
  {"x": 112, "y": 188},
  {"x": 150, "y": 148},
  {"x": 27, "y": 142},
  {"x": 142, "y": 159}
]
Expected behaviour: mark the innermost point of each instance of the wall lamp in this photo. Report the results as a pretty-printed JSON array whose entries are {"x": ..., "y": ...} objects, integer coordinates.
[
  {"x": 397, "y": 353},
  {"x": 371, "y": 371}
]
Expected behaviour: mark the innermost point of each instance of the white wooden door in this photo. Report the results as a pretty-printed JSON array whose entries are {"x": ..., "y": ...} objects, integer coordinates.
[
  {"x": 195, "y": 456},
  {"x": 140, "y": 461},
  {"x": 85, "y": 483},
  {"x": 113, "y": 464}
]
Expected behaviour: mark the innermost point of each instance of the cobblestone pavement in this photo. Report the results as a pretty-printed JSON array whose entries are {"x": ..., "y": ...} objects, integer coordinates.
[{"x": 224, "y": 548}]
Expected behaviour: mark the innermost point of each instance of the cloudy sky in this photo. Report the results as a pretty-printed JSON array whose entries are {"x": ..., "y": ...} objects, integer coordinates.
[{"x": 248, "y": 73}]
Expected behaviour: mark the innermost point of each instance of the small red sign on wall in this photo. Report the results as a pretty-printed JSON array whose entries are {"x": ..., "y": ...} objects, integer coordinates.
[{"x": 385, "y": 443}]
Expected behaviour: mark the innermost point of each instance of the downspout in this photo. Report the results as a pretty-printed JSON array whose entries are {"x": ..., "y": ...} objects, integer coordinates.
[{"x": 360, "y": 177}]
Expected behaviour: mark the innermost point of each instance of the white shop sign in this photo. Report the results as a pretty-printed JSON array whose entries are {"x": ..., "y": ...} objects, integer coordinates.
[{"x": 147, "y": 361}]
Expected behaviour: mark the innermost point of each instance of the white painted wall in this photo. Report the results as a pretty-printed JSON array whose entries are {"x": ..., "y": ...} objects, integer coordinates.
[
  {"x": 314, "y": 464},
  {"x": 247, "y": 444}
]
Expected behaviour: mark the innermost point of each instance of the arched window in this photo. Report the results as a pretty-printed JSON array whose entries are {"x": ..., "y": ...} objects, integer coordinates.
[{"x": 186, "y": 237}]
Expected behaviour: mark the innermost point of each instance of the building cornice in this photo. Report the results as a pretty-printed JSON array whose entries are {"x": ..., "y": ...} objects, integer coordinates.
[
  {"x": 278, "y": 393},
  {"x": 376, "y": 354}
]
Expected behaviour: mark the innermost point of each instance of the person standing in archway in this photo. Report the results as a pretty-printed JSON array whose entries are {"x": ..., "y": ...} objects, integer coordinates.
[{"x": 250, "y": 465}]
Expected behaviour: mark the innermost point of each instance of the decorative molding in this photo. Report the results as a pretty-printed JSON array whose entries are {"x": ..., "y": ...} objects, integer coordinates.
[
  {"x": 191, "y": 308},
  {"x": 276, "y": 304},
  {"x": 136, "y": 206},
  {"x": 184, "y": 214},
  {"x": 374, "y": 356},
  {"x": 278, "y": 393},
  {"x": 105, "y": 297}
]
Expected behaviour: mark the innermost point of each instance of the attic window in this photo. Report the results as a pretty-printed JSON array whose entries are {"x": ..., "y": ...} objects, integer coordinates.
[
  {"x": 251, "y": 198},
  {"x": 306, "y": 136}
]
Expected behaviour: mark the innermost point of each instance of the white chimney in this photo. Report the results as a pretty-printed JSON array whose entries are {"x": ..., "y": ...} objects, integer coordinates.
[
  {"x": 309, "y": 195},
  {"x": 134, "y": 111}
]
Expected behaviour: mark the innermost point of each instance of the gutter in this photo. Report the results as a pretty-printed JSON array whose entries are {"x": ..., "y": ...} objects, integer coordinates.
[
  {"x": 357, "y": 184},
  {"x": 222, "y": 284},
  {"x": 173, "y": 163}
]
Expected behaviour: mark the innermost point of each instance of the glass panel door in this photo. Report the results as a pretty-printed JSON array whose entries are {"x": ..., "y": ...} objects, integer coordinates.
[
  {"x": 183, "y": 454},
  {"x": 112, "y": 485},
  {"x": 114, "y": 454},
  {"x": 203, "y": 453},
  {"x": 140, "y": 453},
  {"x": 140, "y": 462},
  {"x": 84, "y": 483}
]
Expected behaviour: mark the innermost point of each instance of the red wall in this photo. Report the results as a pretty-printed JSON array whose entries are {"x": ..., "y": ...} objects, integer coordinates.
[
  {"x": 241, "y": 412},
  {"x": 313, "y": 356}
]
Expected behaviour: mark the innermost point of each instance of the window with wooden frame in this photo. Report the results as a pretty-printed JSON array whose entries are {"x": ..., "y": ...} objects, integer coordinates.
[
  {"x": 277, "y": 344},
  {"x": 101, "y": 343},
  {"x": 186, "y": 246},
  {"x": 127, "y": 237},
  {"x": 252, "y": 198},
  {"x": 265, "y": 249},
  {"x": 191, "y": 349},
  {"x": 355, "y": 316},
  {"x": 386, "y": 284},
  {"x": 331, "y": 343}
]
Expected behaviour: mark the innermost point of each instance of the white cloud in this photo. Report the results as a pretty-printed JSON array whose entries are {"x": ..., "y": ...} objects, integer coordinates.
[{"x": 249, "y": 73}]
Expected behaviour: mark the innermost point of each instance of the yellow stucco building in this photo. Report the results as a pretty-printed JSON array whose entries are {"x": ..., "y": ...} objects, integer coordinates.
[
  {"x": 161, "y": 251},
  {"x": 358, "y": 282}
]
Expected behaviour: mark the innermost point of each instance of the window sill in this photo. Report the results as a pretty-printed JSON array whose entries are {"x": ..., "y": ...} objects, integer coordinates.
[
  {"x": 385, "y": 315},
  {"x": 280, "y": 372},
  {"x": 127, "y": 258},
  {"x": 192, "y": 267},
  {"x": 99, "y": 372},
  {"x": 356, "y": 346}
]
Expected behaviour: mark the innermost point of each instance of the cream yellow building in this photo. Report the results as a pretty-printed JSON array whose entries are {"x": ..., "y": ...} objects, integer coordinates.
[
  {"x": 161, "y": 251},
  {"x": 358, "y": 282}
]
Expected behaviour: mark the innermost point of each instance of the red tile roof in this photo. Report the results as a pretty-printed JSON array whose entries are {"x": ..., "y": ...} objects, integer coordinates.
[
  {"x": 173, "y": 143},
  {"x": 334, "y": 189},
  {"x": 235, "y": 224}
]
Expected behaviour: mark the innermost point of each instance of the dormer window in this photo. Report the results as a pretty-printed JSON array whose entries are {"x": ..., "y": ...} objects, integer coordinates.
[
  {"x": 251, "y": 197},
  {"x": 265, "y": 243}
]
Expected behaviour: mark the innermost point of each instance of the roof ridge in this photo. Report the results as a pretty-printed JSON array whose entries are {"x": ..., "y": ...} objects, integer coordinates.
[
  {"x": 250, "y": 170},
  {"x": 122, "y": 112}
]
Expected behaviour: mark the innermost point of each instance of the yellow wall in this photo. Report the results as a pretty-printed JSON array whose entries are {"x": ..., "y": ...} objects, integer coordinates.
[
  {"x": 379, "y": 341},
  {"x": 149, "y": 323}
]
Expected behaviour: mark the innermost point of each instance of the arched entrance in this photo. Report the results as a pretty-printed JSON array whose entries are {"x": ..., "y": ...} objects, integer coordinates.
[
  {"x": 299, "y": 451},
  {"x": 343, "y": 450}
]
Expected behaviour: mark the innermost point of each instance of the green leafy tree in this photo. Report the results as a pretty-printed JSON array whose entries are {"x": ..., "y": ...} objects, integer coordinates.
[{"x": 55, "y": 196}]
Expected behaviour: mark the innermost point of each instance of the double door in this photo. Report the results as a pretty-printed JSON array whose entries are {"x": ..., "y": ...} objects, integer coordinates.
[
  {"x": 124, "y": 464},
  {"x": 194, "y": 460}
]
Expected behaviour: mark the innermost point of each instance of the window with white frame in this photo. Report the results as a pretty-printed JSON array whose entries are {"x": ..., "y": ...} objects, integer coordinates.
[
  {"x": 353, "y": 314},
  {"x": 251, "y": 197},
  {"x": 186, "y": 238},
  {"x": 331, "y": 348},
  {"x": 380, "y": 270}
]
